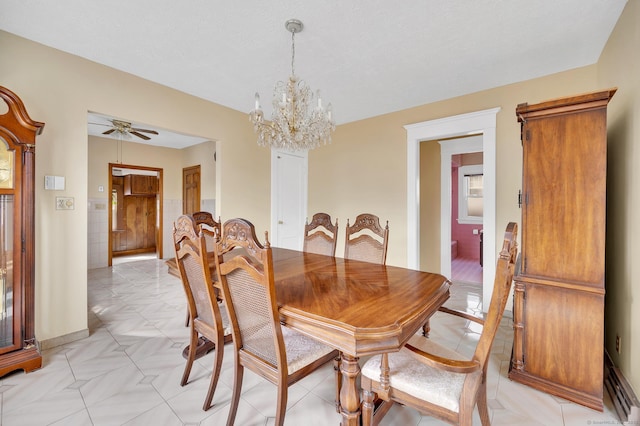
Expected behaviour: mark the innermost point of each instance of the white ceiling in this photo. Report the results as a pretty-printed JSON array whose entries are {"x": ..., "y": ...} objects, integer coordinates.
[
  {"x": 97, "y": 124},
  {"x": 368, "y": 57}
]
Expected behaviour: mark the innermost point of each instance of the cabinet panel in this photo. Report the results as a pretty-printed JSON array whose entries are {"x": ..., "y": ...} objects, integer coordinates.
[
  {"x": 564, "y": 189},
  {"x": 140, "y": 185},
  {"x": 564, "y": 337}
]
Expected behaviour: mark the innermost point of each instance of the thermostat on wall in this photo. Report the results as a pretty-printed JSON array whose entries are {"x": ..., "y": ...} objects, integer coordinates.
[{"x": 54, "y": 182}]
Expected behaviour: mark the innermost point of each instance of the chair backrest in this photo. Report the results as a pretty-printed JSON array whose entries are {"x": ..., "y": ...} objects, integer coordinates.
[
  {"x": 245, "y": 270},
  {"x": 209, "y": 226},
  {"x": 191, "y": 259},
  {"x": 366, "y": 240},
  {"x": 501, "y": 287},
  {"x": 320, "y": 235}
]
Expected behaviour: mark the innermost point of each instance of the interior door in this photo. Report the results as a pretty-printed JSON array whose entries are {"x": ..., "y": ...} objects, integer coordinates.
[
  {"x": 191, "y": 189},
  {"x": 289, "y": 198}
]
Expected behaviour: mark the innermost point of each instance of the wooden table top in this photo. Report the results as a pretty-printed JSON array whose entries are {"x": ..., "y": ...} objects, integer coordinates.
[{"x": 359, "y": 308}]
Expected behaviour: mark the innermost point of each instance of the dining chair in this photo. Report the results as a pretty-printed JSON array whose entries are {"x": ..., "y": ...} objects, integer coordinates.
[
  {"x": 210, "y": 326},
  {"x": 366, "y": 240},
  {"x": 434, "y": 379},
  {"x": 276, "y": 353},
  {"x": 207, "y": 224},
  {"x": 320, "y": 235}
]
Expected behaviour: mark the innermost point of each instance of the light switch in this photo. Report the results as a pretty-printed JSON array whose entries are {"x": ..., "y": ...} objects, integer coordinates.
[{"x": 54, "y": 182}]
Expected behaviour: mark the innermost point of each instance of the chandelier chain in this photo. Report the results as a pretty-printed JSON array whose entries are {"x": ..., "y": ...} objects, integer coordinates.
[{"x": 293, "y": 52}]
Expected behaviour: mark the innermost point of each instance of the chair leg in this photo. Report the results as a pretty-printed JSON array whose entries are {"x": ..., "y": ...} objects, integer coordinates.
[
  {"x": 336, "y": 368},
  {"x": 193, "y": 345},
  {"x": 368, "y": 398},
  {"x": 237, "y": 388},
  {"x": 483, "y": 409},
  {"x": 186, "y": 321},
  {"x": 426, "y": 328},
  {"x": 215, "y": 374},
  {"x": 282, "y": 403}
]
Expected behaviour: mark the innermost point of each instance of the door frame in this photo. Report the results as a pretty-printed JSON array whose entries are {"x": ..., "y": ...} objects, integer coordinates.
[
  {"x": 480, "y": 122},
  {"x": 159, "y": 208}
]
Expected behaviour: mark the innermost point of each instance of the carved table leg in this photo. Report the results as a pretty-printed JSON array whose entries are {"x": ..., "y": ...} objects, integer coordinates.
[{"x": 349, "y": 394}]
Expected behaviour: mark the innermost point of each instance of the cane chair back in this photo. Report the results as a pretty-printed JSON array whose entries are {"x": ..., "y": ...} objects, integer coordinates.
[
  {"x": 320, "y": 235},
  {"x": 366, "y": 240}
]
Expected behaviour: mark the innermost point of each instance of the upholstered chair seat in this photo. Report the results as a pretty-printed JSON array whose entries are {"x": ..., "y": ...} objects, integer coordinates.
[{"x": 409, "y": 375}]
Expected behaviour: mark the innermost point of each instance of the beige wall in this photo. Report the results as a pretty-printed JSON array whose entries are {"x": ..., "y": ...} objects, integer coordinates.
[
  {"x": 619, "y": 66},
  {"x": 59, "y": 89}
]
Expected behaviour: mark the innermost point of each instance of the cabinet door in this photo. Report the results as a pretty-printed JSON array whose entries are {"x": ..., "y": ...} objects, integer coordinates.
[
  {"x": 564, "y": 188},
  {"x": 9, "y": 293},
  {"x": 563, "y": 337},
  {"x": 140, "y": 185}
]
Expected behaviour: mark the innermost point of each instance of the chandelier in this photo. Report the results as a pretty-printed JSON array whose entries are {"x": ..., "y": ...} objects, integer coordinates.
[{"x": 297, "y": 122}]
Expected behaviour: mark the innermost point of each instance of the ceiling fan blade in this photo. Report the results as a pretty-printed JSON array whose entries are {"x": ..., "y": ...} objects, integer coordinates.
[
  {"x": 153, "y": 132},
  {"x": 140, "y": 135},
  {"x": 108, "y": 132}
]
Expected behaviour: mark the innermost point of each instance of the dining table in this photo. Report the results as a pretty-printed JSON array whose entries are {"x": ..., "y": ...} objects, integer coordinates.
[{"x": 356, "y": 307}]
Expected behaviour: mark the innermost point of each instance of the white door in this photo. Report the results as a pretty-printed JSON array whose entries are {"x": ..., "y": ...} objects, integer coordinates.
[{"x": 288, "y": 198}]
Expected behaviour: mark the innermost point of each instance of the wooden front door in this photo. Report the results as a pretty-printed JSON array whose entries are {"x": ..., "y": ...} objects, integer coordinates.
[{"x": 191, "y": 189}]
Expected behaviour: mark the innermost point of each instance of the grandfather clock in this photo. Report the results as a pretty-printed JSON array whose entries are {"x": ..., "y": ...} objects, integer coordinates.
[{"x": 18, "y": 132}]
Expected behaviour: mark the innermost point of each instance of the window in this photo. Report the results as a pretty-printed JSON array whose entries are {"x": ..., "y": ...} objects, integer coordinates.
[{"x": 470, "y": 194}]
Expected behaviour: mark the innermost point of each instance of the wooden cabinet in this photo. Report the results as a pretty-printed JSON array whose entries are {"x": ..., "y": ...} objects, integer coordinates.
[
  {"x": 559, "y": 289},
  {"x": 140, "y": 185},
  {"x": 18, "y": 346}
]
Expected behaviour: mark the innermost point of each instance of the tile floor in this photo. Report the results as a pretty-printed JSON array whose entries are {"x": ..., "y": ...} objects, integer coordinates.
[
  {"x": 127, "y": 371},
  {"x": 466, "y": 270}
]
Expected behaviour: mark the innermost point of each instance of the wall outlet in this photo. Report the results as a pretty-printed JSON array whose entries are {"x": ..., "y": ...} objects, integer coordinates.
[
  {"x": 617, "y": 343},
  {"x": 64, "y": 203}
]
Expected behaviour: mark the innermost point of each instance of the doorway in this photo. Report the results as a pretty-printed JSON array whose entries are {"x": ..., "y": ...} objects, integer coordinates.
[
  {"x": 482, "y": 123},
  {"x": 467, "y": 207},
  {"x": 135, "y": 213}
]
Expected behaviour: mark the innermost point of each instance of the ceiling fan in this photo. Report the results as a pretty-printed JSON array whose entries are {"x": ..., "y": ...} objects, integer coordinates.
[{"x": 124, "y": 128}]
